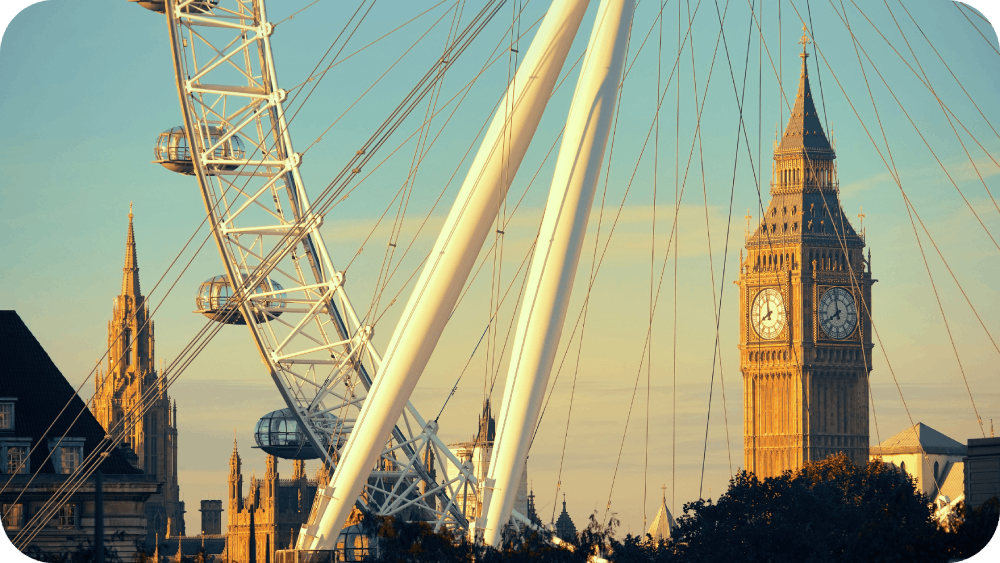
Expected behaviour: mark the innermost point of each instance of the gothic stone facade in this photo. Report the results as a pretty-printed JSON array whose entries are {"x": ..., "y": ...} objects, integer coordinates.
[
  {"x": 130, "y": 380},
  {"x": 42, "y": 446},
  {"x": 269, "y": 517},
  {"x": 805, "y": 304}
]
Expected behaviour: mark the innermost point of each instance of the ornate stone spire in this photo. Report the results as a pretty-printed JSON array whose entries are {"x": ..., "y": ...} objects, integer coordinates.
[
  {"x": 532, "y": 513},
  {"x": 298, "y": 469},
  {"x": 322, "y": 474},
  {"x": 235, "y": 481},
  {"x": 271, "y": 473},
  {"x": 130, "y": 279},
  {"x": 234, "y": 460},
  {"x": 565, "y": 529},
  {"x": 487, "y": 425},
  {"x": 804, "y": 131}
]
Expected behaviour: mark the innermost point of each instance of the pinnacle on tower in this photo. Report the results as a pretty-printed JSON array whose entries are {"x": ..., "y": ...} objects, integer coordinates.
[
  {"x": 804, "y": 130},
  {"x": 298, "y": 469},
  {"x": 487, "y": 425},
  {"x": 272, "y": 468},
  {"x": 234, "y": 460},
  {"x": 130, "y": 279}
]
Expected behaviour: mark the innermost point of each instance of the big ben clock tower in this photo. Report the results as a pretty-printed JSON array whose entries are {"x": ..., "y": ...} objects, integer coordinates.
[{"x": 805, "y": 305}]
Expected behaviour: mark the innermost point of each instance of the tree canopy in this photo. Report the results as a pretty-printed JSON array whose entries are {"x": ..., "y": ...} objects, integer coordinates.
[{"x": 830, "y": 510}]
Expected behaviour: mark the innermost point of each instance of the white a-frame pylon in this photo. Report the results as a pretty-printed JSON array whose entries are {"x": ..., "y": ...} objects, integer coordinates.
[
  {"x": 557, "y": 254},
  {"x": 447, "y": 270}
]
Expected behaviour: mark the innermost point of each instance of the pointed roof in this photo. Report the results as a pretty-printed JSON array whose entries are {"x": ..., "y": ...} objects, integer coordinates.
[
  {"x": 663, "y": 524},
  {"x": 487, "y": 425},
  {"x": 532, "y": 513},
  {"x": 130, "y": 279},
  {"x": 804, "y": 131},
  {"x": 234, "y": 459},
  {"x": 920, "y": 438},
  {"x": 28, "y": 374},
  {"x": 804, "y": 210},
  {"x": 565, "y": 529}
]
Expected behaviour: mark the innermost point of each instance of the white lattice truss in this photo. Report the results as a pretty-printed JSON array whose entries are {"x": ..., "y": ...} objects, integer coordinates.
[{"x": 317, "y": 350}]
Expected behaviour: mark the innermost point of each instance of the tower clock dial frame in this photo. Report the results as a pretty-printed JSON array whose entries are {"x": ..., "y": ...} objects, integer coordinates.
[
  {"x": 837, "y": 313},
  {"x": 767, "y": 313}
]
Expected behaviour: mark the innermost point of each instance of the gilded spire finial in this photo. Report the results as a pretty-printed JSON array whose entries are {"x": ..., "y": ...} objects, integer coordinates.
[
  {"x": 804, "y": 41},
  {"x": 130, "y": 280}
]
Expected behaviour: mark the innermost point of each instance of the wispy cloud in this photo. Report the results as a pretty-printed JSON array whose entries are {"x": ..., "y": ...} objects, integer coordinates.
[{"x": 961, "y": 171}]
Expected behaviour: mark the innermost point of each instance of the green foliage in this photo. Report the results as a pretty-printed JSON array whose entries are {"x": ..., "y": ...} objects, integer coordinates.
[
  {"x": 832, "y": 510},
  {"x": 403, "y": 542},
  {"x": 973, "y": 530}
]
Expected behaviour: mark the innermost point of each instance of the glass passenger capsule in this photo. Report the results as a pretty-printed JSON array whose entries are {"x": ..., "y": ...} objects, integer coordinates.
[
  {"x": 196, "y": 7},
  {"x": 278, "y": 434},
  {"x": 214, "y": 295},
  {"x": 173, "y": 152},
  {"x": 354, "y": 545}
]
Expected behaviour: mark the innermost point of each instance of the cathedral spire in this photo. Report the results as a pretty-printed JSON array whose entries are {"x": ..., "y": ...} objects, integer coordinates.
[
  {"x": 804, "y": 130},
  {"x": 234, "y": 460},
  {"x": 130, "y": 279}
]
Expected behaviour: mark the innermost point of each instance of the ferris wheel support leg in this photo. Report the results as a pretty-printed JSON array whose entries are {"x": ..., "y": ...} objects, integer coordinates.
[
  {"x": 449, "y": 265},
  {"x": 554, "y": 265}
]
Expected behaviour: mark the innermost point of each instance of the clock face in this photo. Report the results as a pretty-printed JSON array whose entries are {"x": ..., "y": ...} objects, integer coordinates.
[
  {"x": 837, "y": 313},
  {"x": 767, "y": 314}
]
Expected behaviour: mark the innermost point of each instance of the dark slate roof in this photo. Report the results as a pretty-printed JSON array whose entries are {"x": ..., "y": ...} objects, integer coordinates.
[
  {"x": 830, "y": 224},
  {"x": 565, "y": 529},
  {"x": 804, "y": 131},
  {"x": 27, "y": 373},
  {"x": 920, "y": 438}
]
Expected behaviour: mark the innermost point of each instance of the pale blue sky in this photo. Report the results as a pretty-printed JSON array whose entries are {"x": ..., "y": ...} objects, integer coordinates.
[{"x": 83, "y": 94}]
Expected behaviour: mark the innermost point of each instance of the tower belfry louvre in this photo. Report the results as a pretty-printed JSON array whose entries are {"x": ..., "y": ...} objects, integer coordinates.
[
  {"x": 131, "y": 399},
  {"x": 805, "y": 302}
]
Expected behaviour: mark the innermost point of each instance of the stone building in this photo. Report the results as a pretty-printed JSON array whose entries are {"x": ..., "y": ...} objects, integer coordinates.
[
  {"x": 131, "y": 399},
  {"x": 805, "y": 308},
  {"x": 479, "y": 451},
  {"x": 211, "y": 517},
  {"x": 564, "y": 527},
  {"x": 934, "y": 461},
  {"x": 982, "y": 470},
  {"x": 930, "y": 457},
  {"x": 42, "y": 447},
  {"x": 269, "y": 516}
]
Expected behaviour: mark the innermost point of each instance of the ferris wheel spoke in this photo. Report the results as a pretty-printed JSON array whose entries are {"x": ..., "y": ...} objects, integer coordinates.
[{"x": 235, "y": 140}]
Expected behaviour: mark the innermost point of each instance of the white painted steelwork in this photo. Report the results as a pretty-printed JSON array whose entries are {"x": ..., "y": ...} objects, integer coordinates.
[
  {"x": 436, "y": 292},
  {"x": 319, "y": 352},
  {"x": 556, "y": 256}
]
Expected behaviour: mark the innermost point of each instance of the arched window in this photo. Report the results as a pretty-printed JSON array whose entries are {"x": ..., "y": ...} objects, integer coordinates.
[
  {"x": 902, "y": 465},
  {"x": 127, "y": 339},
  {"x": 935, "y": 471}
]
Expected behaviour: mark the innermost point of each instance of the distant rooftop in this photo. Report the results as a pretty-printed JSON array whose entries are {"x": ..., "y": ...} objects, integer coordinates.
[
  {"x": 28, "y": 373},
  {"x": 919, "y": 438}
]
